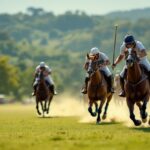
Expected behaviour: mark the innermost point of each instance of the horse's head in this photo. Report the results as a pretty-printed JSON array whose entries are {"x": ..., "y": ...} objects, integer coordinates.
[
  {"x": 41, "y": 75},
  {"x": 93, "y": 65},
  {"x": 131, "y": 58}
]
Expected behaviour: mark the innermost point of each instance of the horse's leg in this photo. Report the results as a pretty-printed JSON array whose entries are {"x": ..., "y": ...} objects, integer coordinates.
[
  {"x": 37, "y": 107},
  {"x": 143, "y": 110},
  {"x": 90, "y": 109},
  {"x": 42, "y": 107},
  {"x": 45, "y": 105},
  {"x": 132, "y": 116},
  {"x": 96, "y": 107},
  {"x": 100, "y": 110},
  {"x": 106, "y": 107},
  {"x": 49, "y": 101},
  {"x": 139, "y": 105}
]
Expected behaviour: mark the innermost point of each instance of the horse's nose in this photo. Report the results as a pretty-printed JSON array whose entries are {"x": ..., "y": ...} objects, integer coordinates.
[
  {"x": 129, "y": 61},
  {"x": 89, "y": 71}
]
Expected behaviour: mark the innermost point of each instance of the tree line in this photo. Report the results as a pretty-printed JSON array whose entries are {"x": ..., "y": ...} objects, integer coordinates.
[{"x": 62, "y": 41}]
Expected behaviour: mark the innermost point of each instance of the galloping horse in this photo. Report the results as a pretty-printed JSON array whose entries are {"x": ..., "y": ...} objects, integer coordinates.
[
  {"x": 43, "y": 94},
  {"x": 97, "y": 89},
  {"x": 136, "y": 87}
]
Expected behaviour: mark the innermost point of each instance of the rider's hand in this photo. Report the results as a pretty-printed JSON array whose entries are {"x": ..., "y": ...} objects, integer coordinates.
[
  {"x": 101, "y": 65},
  {"x": 113, "y": 66}
]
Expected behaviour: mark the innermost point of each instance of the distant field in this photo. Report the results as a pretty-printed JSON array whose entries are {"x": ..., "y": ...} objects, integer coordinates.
[{"x": 21, "y": 129}]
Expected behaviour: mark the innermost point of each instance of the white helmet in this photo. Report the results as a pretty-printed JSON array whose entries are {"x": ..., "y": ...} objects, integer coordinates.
[
  {"x": 42, "y": 64},
  {"x": 94, "y": 51}
]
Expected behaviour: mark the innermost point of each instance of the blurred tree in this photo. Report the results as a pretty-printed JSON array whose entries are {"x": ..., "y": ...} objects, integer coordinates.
[
  {"x": 35, "y": 11},
  {"x": 9, "y": 76}
]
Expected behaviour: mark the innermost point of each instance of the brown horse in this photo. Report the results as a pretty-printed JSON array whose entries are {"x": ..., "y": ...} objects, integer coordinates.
[
  {"x": 97, "y": 89},
  {"x": 136, "y": 87},
  {"x": 43, "y": 94}
]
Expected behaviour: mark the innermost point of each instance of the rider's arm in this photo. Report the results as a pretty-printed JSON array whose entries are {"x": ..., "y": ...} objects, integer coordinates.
[
  {"x": 85, "y": 66},
  {"x": 121, "y": 55},
  {"x": 143, "y": 53},
  {"x": 107, "y": 62},
  {"x": 141, "y": 48},
  {"x": 118, "y": 59},
  {"x": 48, "y": 70},
  {"x": 104, "y": 59}
]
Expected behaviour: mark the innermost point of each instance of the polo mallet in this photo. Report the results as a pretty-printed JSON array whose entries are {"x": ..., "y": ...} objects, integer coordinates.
[{"x": 116, "y": 26}]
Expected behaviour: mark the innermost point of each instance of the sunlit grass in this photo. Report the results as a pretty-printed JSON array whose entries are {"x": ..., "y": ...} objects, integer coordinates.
[{"x": 20, "y": 128}]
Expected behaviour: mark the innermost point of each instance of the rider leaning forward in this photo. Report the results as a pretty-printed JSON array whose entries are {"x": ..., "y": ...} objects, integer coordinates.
[
  {"x": 130, "y": 42},
  {"x": 47, "y": 76},
  {"x": 103, "y": 58}
]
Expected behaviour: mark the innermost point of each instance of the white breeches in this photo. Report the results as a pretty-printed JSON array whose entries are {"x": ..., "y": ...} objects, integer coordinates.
[
  {"x": 106, "y": 71},
  {"x": 47, "y": 78}
]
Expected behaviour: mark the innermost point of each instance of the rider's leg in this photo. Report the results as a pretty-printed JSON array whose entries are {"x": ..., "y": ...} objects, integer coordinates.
[
  {"x": 122, "y": 77},
  {"x": 109, "y": 78},
  {"x": 110, "y": 83},
  {"x": 52, "y": 88},
  {"x": 84, "y": 89},
  {"x": 34, "y": 88},
  {"x": 50, "y": 83}
]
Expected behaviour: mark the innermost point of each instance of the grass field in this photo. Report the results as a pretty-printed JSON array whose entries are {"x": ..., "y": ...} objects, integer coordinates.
[{"x": 21, "y": 129}]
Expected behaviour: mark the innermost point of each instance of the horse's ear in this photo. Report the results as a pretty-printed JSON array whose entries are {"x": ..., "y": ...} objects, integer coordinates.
[{"x": 87, "y": 55}]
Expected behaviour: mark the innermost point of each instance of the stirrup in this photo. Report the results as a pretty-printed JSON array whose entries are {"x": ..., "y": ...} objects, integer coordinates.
[
  {"x": 55, "y": 93},
  {"x": 122, "y": 94},
  {"x": 84, "y": 91},
  {"x": 33, "y": 94}
]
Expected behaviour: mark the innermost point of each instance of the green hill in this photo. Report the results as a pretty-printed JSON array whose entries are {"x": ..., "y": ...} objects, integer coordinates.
[{"x": 62, "y": 41}]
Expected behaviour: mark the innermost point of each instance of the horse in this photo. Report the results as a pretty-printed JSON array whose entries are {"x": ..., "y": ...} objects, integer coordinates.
[
  {"x": 97, "y": 90},
  {"x": 137, "y": 87},
  {"x": 43, "y": 94}
]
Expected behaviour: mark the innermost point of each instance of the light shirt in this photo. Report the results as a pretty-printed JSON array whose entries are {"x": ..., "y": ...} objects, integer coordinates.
[
  {"x": 139, "y": 47},
  {"x": 46, "y": 71}
]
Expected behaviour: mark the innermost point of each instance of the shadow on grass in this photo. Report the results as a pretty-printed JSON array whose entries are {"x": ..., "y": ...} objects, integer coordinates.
[
  {"x": 143, "y": 129},
  {"x": 105, "y": 123},
  {"x": 53, "y": 117},
  {"x": 48, "y": 117}
]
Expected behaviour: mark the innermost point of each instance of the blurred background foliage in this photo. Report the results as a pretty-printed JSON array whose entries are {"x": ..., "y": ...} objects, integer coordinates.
[{"x": 62, "y": 41}]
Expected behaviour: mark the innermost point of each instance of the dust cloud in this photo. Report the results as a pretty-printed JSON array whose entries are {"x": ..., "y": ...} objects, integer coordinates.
[{"x": 67, "y": 105}]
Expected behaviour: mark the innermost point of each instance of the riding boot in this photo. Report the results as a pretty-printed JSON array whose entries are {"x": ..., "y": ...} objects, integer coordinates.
[
  {"x": 52, "y": 89},
  {"x": 84, "y": 89},
  {"x": 34, "y": 90},
  {"x": 149, "y": 76},
  {"x": 110, "y": 84},
  {"x": 122, "y": 93}
]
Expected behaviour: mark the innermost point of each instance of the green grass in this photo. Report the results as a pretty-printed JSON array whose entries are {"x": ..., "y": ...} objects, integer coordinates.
[{"x": 21, "y": 129}]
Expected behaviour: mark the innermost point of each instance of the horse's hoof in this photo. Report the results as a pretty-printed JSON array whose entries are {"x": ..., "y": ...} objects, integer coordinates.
[
  {"x": 149, "y": 122},
  {"x": 94, "y": 114},
  {"x": 137, "y": 123},
  {"x": 39, "y": 113},
  {"x": 104, "y": 116},
  {"x": 90, "y": 109},
  {"x": 97, "y": 122},
  {"x": 144, "y": 120},
  {"x": 47, "y": 112},
  {"x": 144, "y": 116}
]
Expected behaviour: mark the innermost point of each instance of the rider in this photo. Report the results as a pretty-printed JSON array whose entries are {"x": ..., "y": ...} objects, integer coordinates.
[
  {"x": 130, "y": 42},
  {"x": 103, "y": 68},
  {"x": 48, "y": 79}
]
